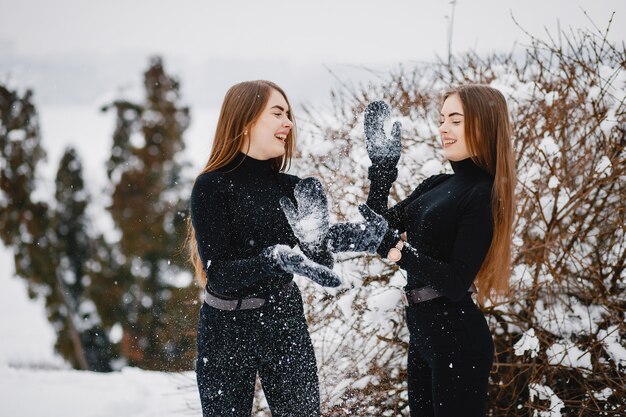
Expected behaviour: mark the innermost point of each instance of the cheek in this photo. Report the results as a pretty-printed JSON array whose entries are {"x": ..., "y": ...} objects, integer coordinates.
[
  {"x": 460, "y": 134},
  {"x": 262, "y": 129}
]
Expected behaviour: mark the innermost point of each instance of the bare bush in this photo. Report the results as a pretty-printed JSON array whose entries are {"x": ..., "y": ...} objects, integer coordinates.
[{"x": 560, "y": 338}]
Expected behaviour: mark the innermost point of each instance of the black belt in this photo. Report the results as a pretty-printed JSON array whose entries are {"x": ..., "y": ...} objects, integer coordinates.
[
  {"x": 419, "y": 295},
  {"x": 234, "y": 304}
]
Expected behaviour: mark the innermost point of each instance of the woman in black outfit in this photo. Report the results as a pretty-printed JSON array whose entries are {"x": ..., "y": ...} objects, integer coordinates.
[
  {"x": 451, "y": 235},
  {"x": 252, "y": 317}
]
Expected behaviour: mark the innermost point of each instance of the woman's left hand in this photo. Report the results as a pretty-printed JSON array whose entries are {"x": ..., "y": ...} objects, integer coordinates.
[
  {"x": 381, "y": 150},
  {"x": 288, "y": 260}
]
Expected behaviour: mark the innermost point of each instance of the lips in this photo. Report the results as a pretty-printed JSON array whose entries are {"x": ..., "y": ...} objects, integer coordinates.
[
  {"x": 448, "y": 142},
  {"x": 281, "y": 137}
]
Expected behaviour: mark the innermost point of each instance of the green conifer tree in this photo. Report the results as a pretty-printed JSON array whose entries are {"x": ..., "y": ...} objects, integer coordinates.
[
  {"x": 20, "y": 147},
  {"x": 50, "y": 246},
  {"x": 74, "y": 247},
  {"x": 159, "y": 312}
]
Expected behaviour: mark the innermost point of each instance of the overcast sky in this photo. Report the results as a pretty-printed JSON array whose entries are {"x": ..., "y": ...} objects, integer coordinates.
[
  {"x": 79, "y": 54},
  {"x": 77, "y": 51},
  {"x": 344, "y": 30}
]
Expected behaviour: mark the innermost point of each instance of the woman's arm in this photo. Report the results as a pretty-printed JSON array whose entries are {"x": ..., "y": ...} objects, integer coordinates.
[
  {"x": 209, "y": 208},
  {"x": 453, "y": 277},
  {"x": 381, "y": 179}
]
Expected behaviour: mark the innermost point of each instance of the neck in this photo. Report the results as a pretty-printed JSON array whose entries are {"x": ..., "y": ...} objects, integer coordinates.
[
  {"x": 254, "y": 154},
  {"x": 248, "y": 163},
  {"x": 467, "y": 167}
]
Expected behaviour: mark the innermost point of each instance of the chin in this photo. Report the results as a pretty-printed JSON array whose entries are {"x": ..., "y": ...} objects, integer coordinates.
[
  {"x": 455, "y": 157},
  {"x": 449, "y": 156},
  {"x": 278, "y": 153}
]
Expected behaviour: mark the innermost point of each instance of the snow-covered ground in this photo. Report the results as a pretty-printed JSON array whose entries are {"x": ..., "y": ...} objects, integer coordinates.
[
  {"x": 129, "y": 393},
  {"x": 34, "y": 381}
]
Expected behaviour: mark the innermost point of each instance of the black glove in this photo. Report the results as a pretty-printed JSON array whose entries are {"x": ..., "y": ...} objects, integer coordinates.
[
  {"x": 282, "y": 258},
  {"x": 358, "y": 237},
  {"x": 310, "y": 221},
  {"x": 380, "y": 149}
]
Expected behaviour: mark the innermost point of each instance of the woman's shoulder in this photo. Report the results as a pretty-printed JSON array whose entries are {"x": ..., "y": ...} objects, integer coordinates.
[
  {"x": 484, "y": 185},
  {"x": 433, "y": 180},
  {"x": 289, "y": 178},
  {"x": 480, "y": 192},
  {"x": 210, "y": 182}
]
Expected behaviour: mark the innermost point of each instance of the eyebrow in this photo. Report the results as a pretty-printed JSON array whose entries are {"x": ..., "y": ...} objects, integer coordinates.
[
  {"x": 453, "y": 114},
  {"x": 279, "y": 107}
]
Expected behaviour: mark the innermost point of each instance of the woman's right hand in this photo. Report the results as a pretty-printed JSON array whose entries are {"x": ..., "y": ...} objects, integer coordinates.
[
  {"x": 359, "y": 237},
  {"x": 381, "y": 150}
]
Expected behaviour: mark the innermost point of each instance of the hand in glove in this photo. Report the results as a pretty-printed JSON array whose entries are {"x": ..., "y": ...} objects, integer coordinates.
[
  {"x": 285, "y": 259},
  {"x": 310, "y": 221},
  {"x": 381, "y": 149},
  {"x": 359, "y": 237}
]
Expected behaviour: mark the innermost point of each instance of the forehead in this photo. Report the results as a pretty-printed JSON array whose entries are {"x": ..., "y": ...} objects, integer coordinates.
[
  {"x": 276, "y": 99},
  {"x": 452, "y": 105}
]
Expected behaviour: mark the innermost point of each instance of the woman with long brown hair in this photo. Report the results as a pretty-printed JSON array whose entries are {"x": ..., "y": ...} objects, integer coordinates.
[
  {"x": 251, "y": 320},
  {"x": 452, "y": 235}
]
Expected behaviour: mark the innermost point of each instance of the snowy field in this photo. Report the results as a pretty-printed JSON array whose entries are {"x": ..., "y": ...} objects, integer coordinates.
[
  {"x": 34, "y": 381},
  {"x": 63, "y": 393}
]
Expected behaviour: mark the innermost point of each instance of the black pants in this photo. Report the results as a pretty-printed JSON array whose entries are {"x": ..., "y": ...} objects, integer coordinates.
[
  {"x": 450, "y": 357},
  {"x": 273, "y": 341}
]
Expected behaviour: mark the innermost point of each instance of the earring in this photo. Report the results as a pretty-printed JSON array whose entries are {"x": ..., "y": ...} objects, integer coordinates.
[{"x": 245, "y": 132}]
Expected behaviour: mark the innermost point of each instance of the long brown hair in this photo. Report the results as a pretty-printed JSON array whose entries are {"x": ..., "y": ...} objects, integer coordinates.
[
  {"x": 242, "y": 106},
  {"x": 488, "y": 136}
]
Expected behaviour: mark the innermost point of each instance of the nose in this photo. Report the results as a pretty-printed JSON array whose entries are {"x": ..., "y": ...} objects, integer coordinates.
[
  {"x": 288, "y": 123},
  {"x": 443, "y": 128}
]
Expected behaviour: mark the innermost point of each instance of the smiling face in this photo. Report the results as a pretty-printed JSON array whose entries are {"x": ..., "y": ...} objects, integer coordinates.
[
  {"x": 452, "y": 129},
  {"x": 267, "y": 136}
]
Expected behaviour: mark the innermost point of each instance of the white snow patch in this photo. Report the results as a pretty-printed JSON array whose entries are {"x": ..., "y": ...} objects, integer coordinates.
[
  {"x": 570, "y": 355},
  {"x": 27, "y": 337},
  {"x": 528, "y": 342},
  {"x": 551, "y": 97},
  {"x": 549, "y": 147},
  {"x": 611, "y": 340},
  {"x": 604, "y": 394},
  {"x": 385, "y": 300},
  {"x": 431, "y": 167},
  {"x": 604, "y": 167},
  {"x": 130, "y": 393},
  {"x": 544, "y": 392},
  {"x": 553, "y": 182}
]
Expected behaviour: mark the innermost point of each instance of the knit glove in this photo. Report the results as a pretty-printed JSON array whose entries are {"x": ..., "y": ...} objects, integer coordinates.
[
  {"x": 282, "y": 258},
  {"x": 381, "y": 150},
  {"x": 310, "y": 220},
  {"x": 358, "y": 237}
]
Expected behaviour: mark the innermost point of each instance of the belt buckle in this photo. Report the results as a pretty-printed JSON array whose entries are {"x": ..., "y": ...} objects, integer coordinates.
[{"x": 405, "y": 300}]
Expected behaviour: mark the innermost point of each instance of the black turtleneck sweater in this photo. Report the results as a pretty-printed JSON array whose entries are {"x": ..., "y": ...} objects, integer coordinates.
[
  {"x": 236, "y": 214},
  {"x": 448, "y": 224}
]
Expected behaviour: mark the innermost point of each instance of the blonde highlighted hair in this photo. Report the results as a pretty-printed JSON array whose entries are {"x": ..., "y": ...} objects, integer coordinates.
[
  {"x": 242, "y": 106},
  {"x": 488, "y": 136}
]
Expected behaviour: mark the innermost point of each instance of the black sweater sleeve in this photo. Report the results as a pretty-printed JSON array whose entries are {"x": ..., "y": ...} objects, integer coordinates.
[
  {"x": 474, "y": 234},
  {"x": 209, "y": 216},
  {"x": 381, "y": 179}
]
